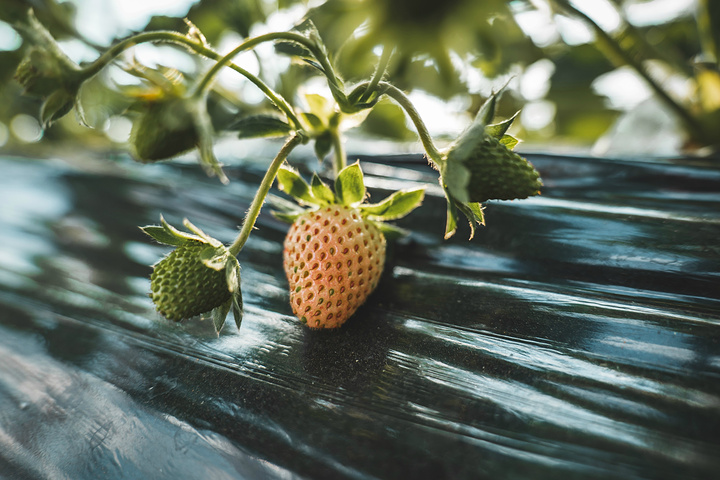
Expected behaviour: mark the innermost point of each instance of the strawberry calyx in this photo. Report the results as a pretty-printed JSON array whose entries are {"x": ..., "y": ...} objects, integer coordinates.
[
  {"x": 480, "y": 165},
  {"x": 349, "y": 190},
  {"x": 200, "y": 275}
]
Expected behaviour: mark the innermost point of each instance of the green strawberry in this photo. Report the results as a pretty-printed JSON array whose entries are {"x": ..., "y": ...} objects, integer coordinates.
[
  {"x": 497, "y": 173},
  {"x": 182, "y": 286},
  {"x": 199, "y": 276}
]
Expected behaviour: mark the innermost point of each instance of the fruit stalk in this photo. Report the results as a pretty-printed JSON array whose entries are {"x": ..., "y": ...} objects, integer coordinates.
[{"x": 261, "y": 194}]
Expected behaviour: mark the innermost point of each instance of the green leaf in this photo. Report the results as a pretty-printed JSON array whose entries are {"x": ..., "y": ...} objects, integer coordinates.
[
  {"x": 204, "y": 236},
  {"x": 206, "y": 136},
  {"x": 59, "y": 103},
  {"x": 261, "y": 126},
  {"x": 456, "y": 177},
  {"x": 498, "y": 130},
  {"x": 181, "y": 236},
  {"x": 321, "y": 191},
  {"x": 313, "y": 121},
  {"x": 237, "y": 308},
  {"x": 487, "y": 111},
  {"x": 391, "y": 232},
  {"x": 396, "y": 205},
  {"x": 323, "y": 145},
  {"x": 232, "y": 274},
  {"x": 350, "y": 185},
  {"x": 161, "y": 235},
  {"x": 293, "y": 49},
  {"x": 509, "y": 141},
  {"x": 219, "y": 314},
  {"x": 474, "y": 214},
  {"x": 294, "y": 185}
]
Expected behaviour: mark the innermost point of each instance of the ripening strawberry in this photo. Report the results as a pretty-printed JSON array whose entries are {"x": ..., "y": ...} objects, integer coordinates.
[
  {"x": 334, "y": 253},
  {"x": 333, "y": 259}
]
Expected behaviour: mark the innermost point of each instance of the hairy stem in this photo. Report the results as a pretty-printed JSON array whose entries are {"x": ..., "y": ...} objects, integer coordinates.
[
  {"x": 399, "y": 96},
  {"x": 339, "y": 160},
  {"x": 167, "y": 36},
  {"x": 379, "y": 73},
  {"x": 257, "y": 203},
  {"x": 268, "y": 37}
]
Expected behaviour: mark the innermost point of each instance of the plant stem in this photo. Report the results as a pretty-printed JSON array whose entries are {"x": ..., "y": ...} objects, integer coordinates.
[
  {"x": 396, "y": 94},
  {"x": 257, "y": 203},
  {"x": 268, "y": 37},
  {"x": 379, "y": 73},
  {"x": 340, "y": 161},
  {"x": 167, "y": 36}
]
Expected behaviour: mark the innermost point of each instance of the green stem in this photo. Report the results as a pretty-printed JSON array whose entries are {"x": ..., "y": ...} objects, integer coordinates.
[
  {"x": 167, "y": 36},
  {"x": 268, "y": 37},
  {"x": 402, "y": 100},
  {"x": 379, "y": 73},
  {"x": 257, "y": 203},
  {"x": 340, "y": 160},
  {"x": 691, "y": 123}
]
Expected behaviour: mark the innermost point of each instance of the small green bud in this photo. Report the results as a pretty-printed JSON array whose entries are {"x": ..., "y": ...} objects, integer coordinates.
[
  {"x": 165, "y": 129},
  {"x": 182, "y": 286},
  {"x": 497, "y": 173}
]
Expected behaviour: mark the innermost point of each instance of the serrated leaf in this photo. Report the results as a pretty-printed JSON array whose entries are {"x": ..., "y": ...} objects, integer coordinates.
[
  {"x": 509, "y": 141},
  {"x": 323, "y": 145},
  {"x": 498, "y": 130},
  {"x": 261, "y": 126},
  {"x": 350, "y": 185},
  {"x": 159, "y": 234},
  {"x": 294, "y": 185},
  {"x": 396, "y": 205},
  {"x": 321, "y": 191},
  {"x": 215, "y": 258},
  {"x": 219, "y": 314}
]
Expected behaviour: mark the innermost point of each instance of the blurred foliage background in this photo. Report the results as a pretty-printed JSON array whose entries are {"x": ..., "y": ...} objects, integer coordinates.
[{"x": 609, "y": 77}]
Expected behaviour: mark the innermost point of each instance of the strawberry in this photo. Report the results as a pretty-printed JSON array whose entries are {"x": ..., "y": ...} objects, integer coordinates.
[
  {"x": 182, "y": 286},
  {"x": 480, "y": 165},
  {"x": 497, "y": 173},
  {"x": 334, "y": 253},
  {"x": 333, "y": 259},
  {"x": 201, "y": 275}
]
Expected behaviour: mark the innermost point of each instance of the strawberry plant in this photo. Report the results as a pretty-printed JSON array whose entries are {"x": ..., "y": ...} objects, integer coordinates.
[{"x": 334, "y": 252}]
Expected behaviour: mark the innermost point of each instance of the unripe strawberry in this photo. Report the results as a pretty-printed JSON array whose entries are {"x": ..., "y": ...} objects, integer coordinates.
[
  {"x": 182, "y": 286},
  {"x": 497, "y": 173},
  {"x": 165, "y": 129},
  {"x": 333, "y": 259}
]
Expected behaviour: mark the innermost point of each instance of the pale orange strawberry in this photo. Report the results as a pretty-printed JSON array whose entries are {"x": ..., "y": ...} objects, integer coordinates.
[{"x": 333, "y": 259}]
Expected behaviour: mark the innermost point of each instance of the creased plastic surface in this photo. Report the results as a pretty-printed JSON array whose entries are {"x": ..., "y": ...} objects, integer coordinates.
[{"x": 577, "y": 336}]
